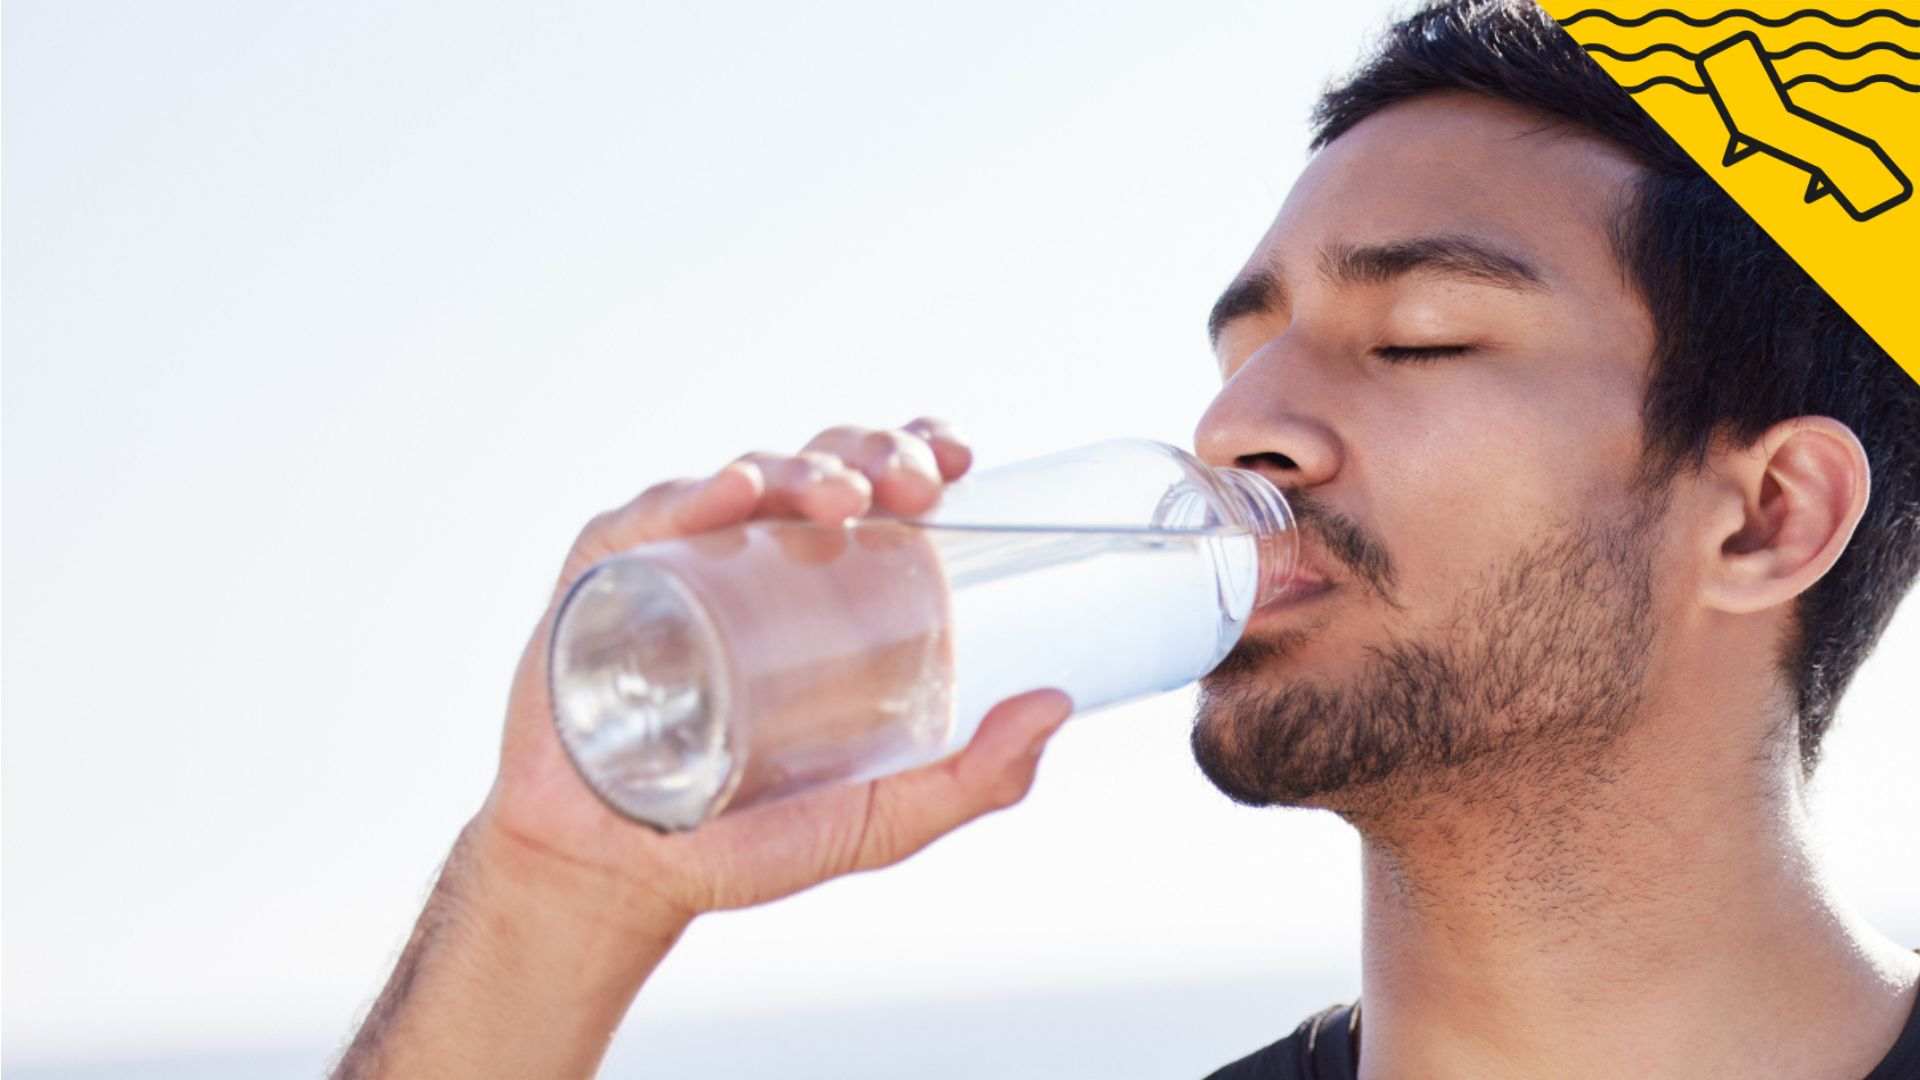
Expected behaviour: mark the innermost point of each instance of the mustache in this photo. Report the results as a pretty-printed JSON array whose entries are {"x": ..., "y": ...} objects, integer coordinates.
[{"x": 1346, "y": 542}]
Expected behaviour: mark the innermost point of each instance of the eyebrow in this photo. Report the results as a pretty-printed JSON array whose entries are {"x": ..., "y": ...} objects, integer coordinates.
[{"x": 1460, "y": 257}]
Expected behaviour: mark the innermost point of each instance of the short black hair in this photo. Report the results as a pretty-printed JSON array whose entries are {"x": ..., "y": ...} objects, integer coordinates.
[{"x": 1743, "y": 337}]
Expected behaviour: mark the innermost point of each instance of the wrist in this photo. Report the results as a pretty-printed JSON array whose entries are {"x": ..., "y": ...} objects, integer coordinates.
[
  {"x": 514, "y": 873},
  {"x": 522, "y": 964},
  {"x": 525, "y": 967}
]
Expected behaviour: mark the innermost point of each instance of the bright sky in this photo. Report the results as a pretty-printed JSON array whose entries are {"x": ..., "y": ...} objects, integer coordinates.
[{"x": 326, "y": 326}]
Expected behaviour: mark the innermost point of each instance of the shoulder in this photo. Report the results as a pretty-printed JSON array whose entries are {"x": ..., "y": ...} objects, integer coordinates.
[{"x": 1316, "y": 1050}]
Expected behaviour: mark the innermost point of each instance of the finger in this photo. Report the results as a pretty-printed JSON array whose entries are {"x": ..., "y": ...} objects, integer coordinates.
[
  {"x": 728, "y": 498},
  {"x": 900, "y": 465},
  {"x": 669, "y": 509},
  {"x": 951, "y": 451},
  {"x": 811, "y": 484},
  {"x": 681, "y": 507},
  {"x": 912, "y": 809}
]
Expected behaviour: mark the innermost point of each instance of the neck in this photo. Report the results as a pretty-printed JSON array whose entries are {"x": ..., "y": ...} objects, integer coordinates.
[{"x": 1619, "y": 918}]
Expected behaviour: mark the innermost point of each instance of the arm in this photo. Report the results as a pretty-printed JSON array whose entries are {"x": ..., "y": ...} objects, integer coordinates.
[
  {"x": 517, "y": 967},
  {"x": 551, "y": 910}
]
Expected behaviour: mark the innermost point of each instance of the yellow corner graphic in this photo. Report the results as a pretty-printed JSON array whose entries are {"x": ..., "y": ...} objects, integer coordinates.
[
  {"x": 1809, "y": 118},
  {"x": 1759, "y": 116}
]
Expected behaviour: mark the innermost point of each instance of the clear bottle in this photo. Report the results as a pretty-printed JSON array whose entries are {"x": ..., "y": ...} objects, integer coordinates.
[{"x": 710, "y": 673}]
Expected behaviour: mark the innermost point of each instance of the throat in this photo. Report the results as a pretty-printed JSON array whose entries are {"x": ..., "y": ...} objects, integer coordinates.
[{"x": 1550, "y": 924}]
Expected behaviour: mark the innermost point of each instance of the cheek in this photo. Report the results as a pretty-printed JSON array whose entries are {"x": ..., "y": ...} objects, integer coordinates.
[{"x": 1487, "y": 465}]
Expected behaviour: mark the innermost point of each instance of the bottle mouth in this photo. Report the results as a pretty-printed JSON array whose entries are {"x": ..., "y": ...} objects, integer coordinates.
[{"x": 1276, "y": 537}]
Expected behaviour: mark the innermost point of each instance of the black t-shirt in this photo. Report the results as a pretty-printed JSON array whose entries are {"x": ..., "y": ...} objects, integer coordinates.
[{"x": 1323, "y": 1047}]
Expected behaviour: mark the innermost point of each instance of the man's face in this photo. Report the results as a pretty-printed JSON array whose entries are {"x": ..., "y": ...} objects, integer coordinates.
[{"x": 1436, "y": 353}]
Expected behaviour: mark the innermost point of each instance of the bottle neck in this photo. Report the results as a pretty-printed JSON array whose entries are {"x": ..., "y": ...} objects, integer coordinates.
[{"x": 1265, "y": 511}]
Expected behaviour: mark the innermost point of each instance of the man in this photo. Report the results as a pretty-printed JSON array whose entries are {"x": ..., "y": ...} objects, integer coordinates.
[{"x": 1583, "y": 466}]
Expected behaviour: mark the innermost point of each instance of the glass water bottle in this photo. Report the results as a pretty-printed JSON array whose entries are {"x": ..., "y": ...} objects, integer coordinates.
[{"x": 714, "y": 672}]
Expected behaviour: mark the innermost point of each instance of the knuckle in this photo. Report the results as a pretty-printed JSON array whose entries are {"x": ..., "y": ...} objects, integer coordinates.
[
  {"x": 820, "y": 464},
  {"x": 655, "y": 499},
  {"x": 838, "y": 435},
  {"x": 881, "y": 444},
  {"x": 655, "y": 492},
  {"x": 596, "y": 526},
  {"x": 933, "y": 427},
  {"x": 611, "y": 527}
]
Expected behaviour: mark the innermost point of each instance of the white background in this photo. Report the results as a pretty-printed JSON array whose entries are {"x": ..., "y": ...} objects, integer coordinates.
[{"x": 327, "y": 326}]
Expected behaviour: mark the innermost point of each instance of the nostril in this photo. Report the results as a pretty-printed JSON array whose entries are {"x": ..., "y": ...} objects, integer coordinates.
[{"x": 1270, "y": 458}]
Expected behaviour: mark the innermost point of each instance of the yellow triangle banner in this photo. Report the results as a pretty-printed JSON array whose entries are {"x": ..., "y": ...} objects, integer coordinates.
[{"x": 1809, "y": 117}]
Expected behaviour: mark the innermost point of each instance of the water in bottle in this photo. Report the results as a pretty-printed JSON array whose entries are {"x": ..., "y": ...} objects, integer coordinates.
[{"x": 711, "y": 673}]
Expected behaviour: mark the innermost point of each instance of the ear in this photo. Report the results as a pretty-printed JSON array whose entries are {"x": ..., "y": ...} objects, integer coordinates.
[{"x": 1785, "y": 507}]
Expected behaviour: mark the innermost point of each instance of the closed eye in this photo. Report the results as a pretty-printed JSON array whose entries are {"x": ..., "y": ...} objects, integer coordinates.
[{"x": 1413, "y": 354}]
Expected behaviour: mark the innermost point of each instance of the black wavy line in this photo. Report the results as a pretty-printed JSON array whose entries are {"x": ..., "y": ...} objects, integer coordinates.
[
  {"x": 1666, "y": 80},
  {"x": 1669, "y": 80},
  {"x": 1837, "y": 54},
  {"x": 1616, "y": 54},
  {"x": 1848, "y": 87},
  {"x": 1737, "y": 13}
]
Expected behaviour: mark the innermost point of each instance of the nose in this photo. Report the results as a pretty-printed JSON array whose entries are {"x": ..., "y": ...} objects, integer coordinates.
[{"x": 1266, "y": 418}]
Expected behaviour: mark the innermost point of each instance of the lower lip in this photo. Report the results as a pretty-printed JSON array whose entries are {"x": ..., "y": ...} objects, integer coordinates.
[{"x": 1294, "y": 596}]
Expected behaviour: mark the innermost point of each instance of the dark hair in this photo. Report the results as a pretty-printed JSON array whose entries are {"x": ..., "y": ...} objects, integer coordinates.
[{"x": 1743, "y": 337}]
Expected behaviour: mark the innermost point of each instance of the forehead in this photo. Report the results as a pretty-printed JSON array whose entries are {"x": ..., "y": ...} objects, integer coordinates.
[{"x": 1455, "y": 163}]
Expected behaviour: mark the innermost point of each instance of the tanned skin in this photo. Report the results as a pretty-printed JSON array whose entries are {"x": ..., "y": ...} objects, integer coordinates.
[
  {"x": 552, "y": 910},
  {"x": 1545, "y": 693}
]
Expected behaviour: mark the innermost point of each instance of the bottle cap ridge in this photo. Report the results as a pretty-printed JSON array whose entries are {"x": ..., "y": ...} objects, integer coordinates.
[{"x": 1271, "y": 519}]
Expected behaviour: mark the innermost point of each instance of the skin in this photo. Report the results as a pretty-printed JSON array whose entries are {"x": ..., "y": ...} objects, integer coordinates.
[
  {"x": 551, "y": 911},
  {"x": 1609, "y": 869},
  {"x": 1606, "y": 868}
]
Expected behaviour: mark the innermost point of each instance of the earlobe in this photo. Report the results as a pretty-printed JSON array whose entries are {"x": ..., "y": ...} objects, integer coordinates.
[{"x": 1801, "y": 489}]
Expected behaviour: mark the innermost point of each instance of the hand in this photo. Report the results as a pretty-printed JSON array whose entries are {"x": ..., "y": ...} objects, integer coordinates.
[{"x": 539, "y": 803}]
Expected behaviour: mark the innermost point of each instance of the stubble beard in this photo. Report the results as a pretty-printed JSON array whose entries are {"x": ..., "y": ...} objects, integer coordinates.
[{"x": 1540, "y": 670}]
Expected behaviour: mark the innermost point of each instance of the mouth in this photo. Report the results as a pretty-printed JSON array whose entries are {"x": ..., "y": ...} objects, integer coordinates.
[{"x": 1298, "y": 593}]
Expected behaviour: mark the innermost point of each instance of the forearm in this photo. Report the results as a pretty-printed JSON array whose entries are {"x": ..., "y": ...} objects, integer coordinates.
[{"x": 517, "y": 967}]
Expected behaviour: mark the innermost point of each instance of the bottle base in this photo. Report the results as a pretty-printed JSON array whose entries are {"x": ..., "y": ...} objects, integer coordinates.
[{"x": 638, "y": 679}]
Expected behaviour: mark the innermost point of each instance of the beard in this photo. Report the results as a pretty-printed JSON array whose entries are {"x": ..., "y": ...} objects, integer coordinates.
[{"x": 1541, "y": 667}]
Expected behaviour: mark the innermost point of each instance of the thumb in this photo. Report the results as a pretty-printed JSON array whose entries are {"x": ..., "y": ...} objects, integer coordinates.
[
  {"x": 1008, "y": 744},
  {"x": 912, "y": 809}
]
